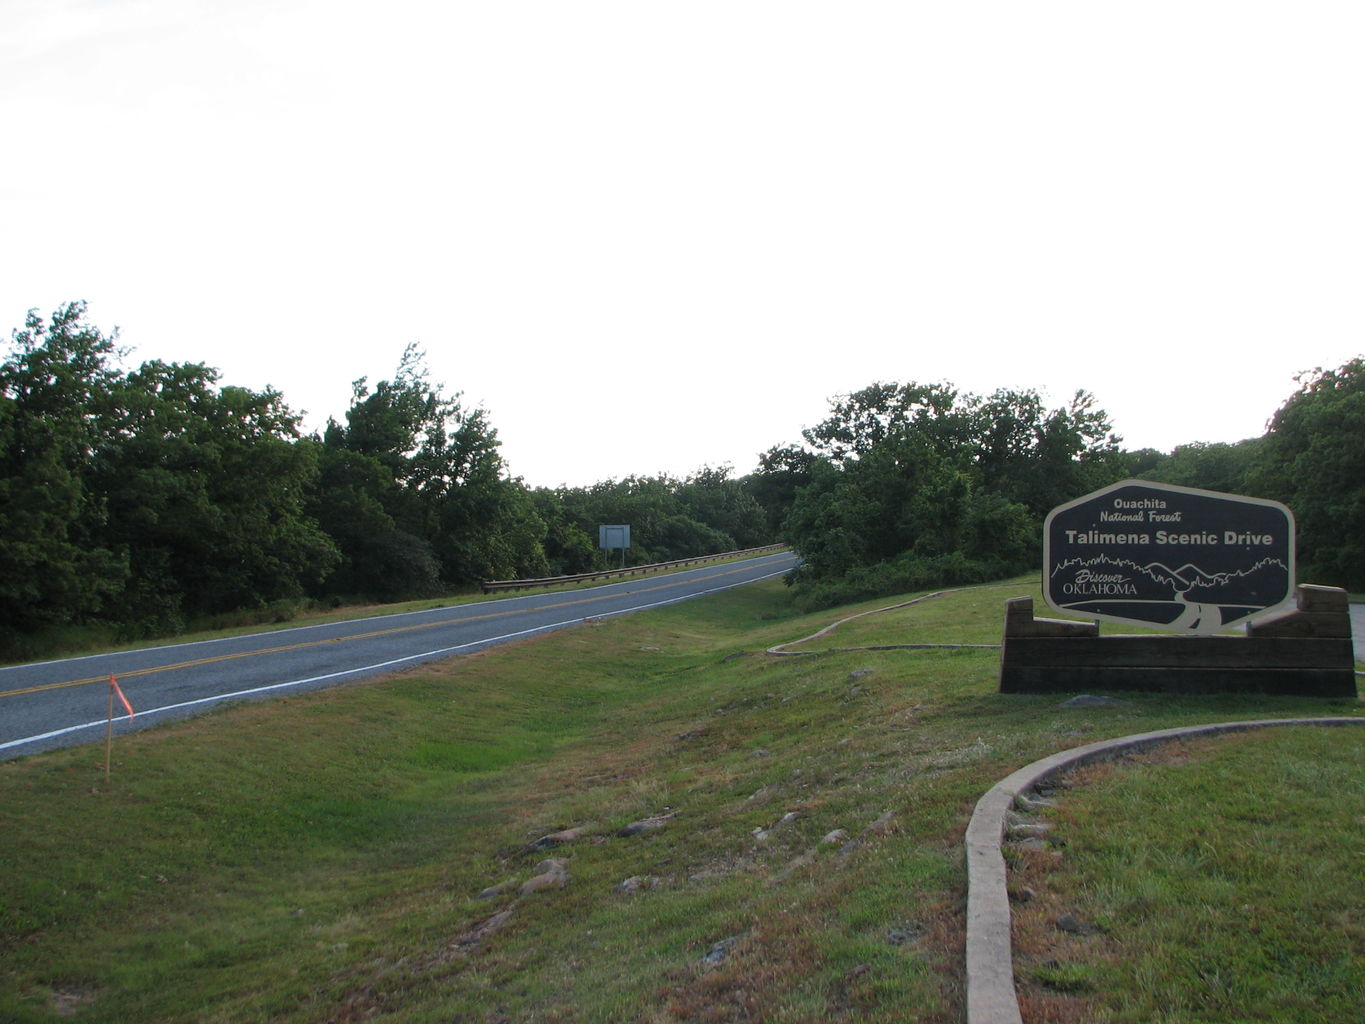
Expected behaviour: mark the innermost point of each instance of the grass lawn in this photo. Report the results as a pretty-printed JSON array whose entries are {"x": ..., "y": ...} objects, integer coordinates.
[
  {"x": 372, "y": 852},
  {"x": 1231, "y": 892}
]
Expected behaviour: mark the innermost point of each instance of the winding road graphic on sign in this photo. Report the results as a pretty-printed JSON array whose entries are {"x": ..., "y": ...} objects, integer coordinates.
[{"x": 1195, "y": 615}]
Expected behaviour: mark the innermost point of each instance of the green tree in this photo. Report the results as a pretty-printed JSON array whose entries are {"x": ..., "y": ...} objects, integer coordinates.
[
  {"x": 642, "y": 502},
  {"x": 490, "y": 530},
  {"x": 909, "y": 484},
  {"x": 1041, "y": 457},
  {"x": 706, "y": 513},
  {"x": 782, "y": 471},
  {"x": 400, "y": 419},
  {"x": 569, "y": 549},
  {"x": 205, "y": 490},
  {"x": 714, "y": 499},
  {"x": 378, "y": 560},
  {"x": 860, "y": 421},
  {"x": 54, "y": 567},
  {"x": 436, "y": 473},
  {"x": 1211, "y": 466},
  {"x": 1313, "y": 460}
]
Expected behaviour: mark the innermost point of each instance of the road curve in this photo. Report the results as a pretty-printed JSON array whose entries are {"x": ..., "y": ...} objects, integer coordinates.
[{"x": 63, "y": 703}]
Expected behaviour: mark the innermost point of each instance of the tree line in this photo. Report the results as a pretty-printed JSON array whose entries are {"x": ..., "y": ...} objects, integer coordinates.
[
  {"x": 907, "y": 486},
  {"x": 149, "y": 499},
  {"x": 140, "y": 501}
]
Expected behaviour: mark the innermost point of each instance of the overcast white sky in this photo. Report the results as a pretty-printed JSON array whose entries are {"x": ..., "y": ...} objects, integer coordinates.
[{"x": 648, "y": 236}]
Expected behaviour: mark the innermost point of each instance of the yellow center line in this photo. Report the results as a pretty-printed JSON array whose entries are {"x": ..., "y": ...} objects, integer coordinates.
[{"x": 338, "y": 639}]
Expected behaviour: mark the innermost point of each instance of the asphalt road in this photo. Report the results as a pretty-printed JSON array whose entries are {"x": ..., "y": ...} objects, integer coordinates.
[{"x": 63, "y": 703}]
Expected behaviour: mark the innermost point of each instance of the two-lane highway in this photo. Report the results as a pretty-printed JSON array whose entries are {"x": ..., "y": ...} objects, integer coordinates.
[{"x": 62, "y": 703}]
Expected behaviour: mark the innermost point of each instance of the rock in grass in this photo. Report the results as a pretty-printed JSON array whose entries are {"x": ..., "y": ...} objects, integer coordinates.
[
  {"x": 637, "y": 882},
  {"x": 551, "y": 873},
  {"x": 717, "y": 953},
  {"x": 904, "y": 934},
  {"x": 1073, "y": 925},
  {"x": 554, "y": 839},
  {"x": 882, "y": 826},
  {"x": 494, "y": 891},
  {"x": 1087, "y": 701},
  {"x": 646, "y": 825},
  {"x": 762, "y": 833},
  {"x": 1033, "y": 804},
  {"x": 484, "y": 929}
]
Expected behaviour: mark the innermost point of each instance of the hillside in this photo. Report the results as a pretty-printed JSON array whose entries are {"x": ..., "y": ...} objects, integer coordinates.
[{"x": 641, "y": 819}]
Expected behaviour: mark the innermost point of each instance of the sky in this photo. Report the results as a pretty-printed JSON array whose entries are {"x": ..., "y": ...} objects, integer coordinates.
[{"x": 650, "y": 237}]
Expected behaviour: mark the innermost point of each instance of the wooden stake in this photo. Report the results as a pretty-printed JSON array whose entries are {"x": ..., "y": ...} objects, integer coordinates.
[{"x": 109, "y": 737}]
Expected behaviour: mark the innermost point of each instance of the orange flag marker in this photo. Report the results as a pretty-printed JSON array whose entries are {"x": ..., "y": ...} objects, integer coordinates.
[{"x": 114, "y": 683}]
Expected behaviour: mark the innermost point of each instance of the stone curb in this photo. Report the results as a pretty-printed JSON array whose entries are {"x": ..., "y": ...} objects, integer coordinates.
[{"x": 991, "y": 998}]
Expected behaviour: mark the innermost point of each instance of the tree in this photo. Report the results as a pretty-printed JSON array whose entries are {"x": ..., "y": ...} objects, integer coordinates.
[
  {"x": 911, "y": 484},
  {"x": 53, "y": 388},
  {"x": 782, "y": 471},
  {"x": 859, "y": 421},
  {"x": 1313, "y": 460},
  {"x": 569, "y": 549},
  {"x": 378, "y": 560},
  {"x": 1041, "y": 457},
  {"x": 642, "y": 502},
  {"x": 712, "y": 498},
  {"x": 398, "y": 418},
  {"x": 205, "y": 490},
  {"x": 436, "y": 473},
  {"x": 1212, "y": 466},
  {"x": 490, "y": 530},
  {"x": 706, "y": 513}
]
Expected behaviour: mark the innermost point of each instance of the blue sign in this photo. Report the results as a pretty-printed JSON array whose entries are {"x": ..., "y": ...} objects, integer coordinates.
[{"x": 1155, "y": 554}]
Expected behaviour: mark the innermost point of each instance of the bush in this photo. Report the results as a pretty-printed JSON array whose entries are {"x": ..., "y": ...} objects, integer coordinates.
[{"x": 898, "y": 576}]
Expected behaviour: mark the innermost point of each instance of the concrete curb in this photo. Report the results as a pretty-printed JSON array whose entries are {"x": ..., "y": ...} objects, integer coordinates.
[{"x": 991, "y": 998}]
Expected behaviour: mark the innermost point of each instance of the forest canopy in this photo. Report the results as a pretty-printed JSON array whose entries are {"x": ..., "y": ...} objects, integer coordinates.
[
  {"x": 150, "y": 498},
  {"x": 143, "y": 500}
]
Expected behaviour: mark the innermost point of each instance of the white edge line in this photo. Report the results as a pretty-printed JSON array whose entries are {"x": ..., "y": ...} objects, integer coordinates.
[{"x": 241, "y": 694}]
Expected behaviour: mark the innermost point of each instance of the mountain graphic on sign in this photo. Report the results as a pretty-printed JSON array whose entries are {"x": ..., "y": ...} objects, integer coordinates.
[
  {"x": 1156, "y": 581},
  {"x": 1188, "y": 574},
  {"x": 1262, "y": 584}
]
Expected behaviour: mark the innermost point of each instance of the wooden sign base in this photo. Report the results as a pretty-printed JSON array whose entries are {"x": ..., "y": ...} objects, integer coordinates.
[{"x": 1302, "y": 652}]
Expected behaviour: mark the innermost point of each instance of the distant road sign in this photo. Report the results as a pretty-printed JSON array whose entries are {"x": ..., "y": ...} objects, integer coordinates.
[
  {"x": 613, "y": 537},
  {"x": 1156, "y": 554}
]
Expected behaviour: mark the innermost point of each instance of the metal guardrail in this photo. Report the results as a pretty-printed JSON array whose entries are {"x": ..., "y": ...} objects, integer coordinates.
[{"x": 491, "y": 586}]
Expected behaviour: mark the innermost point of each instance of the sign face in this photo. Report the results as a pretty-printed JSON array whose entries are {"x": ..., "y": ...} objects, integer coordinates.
[
  {"x": 613, "y": 537},
  {"x": 1158, "y": 555}
]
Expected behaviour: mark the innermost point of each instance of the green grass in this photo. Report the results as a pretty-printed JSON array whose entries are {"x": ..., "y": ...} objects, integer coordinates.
[
  {"x": 319, "y": 858},
  {"x": 1226, "y": 879}
]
